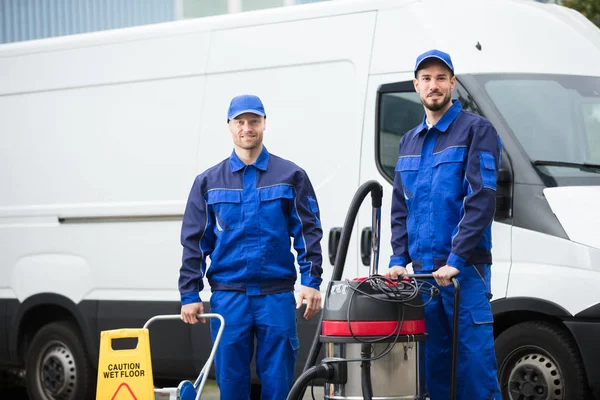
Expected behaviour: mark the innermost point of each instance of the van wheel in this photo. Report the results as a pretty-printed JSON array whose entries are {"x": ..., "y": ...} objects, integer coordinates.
[
  {"x": 57, "y": 365},
  {"x": 539, "y": 361}
]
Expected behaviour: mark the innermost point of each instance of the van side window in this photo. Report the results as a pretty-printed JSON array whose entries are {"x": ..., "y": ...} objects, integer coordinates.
[{"x": 400, "y": 110}]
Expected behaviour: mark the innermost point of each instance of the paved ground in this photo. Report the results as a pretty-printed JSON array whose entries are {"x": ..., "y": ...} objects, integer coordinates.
[
  {"x": 211, "y": 392},
  {"x": 12, "y": 393}
]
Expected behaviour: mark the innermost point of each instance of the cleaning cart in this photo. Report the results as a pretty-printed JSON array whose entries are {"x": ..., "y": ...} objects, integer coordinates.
[{"x": 127, "y": 373}]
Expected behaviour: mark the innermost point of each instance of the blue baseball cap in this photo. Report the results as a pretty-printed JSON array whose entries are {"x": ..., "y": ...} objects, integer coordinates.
[
  {"x": 245, "y": 103},
  {"x": 437, "y": 55}
]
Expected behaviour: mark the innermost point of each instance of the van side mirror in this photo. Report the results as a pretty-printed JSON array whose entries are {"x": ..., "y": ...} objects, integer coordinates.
[{"x": 503, "y": 194}]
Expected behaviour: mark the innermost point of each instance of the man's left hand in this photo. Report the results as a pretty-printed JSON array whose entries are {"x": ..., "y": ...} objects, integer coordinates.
[
  {"x": 313, "y": 301},
  {"x": 444, "y": 275}
]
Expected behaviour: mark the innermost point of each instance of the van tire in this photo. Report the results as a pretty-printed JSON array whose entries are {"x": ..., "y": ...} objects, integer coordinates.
[
  {"x": 57, "y": 365},
  {"x": 539, "y": 361}
]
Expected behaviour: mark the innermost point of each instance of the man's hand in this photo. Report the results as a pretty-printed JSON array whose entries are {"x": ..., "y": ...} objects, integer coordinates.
[
  {"x": 313, "y": 301},
  {"x": 189, "y": 312},
  {"x": 395, "y": 272},
  {"x": 443, "y": 276}
]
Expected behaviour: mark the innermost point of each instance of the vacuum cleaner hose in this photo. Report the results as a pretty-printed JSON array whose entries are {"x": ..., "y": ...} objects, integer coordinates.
[
  {"x": 323, "y": 371},
  {"x": 376, "y": 191},
  {"x": 365, "y": 380},
  {"x": 365, "y": 372}
]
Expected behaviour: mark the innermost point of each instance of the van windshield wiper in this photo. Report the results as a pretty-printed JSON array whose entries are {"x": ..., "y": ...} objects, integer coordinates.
[{"x": 586, "y": 166}]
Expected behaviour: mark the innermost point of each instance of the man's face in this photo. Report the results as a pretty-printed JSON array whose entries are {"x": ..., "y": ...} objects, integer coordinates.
[
  {"x": 247, "y": 130},
  {"x": 434, "y": 83}
]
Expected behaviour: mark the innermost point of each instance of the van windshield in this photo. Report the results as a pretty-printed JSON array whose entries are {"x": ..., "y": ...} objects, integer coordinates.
[{"x": 556, "y": 118}]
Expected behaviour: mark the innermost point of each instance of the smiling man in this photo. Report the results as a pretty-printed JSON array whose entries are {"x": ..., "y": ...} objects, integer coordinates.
[
  {"x": 242, "y": 213},
  {"x": 443, "y": 205}
]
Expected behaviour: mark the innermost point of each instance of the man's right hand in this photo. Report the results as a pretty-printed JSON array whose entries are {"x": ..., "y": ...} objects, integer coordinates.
[
  {"x": 395, "y": 272},
  {"x": 189, "y": 312}
]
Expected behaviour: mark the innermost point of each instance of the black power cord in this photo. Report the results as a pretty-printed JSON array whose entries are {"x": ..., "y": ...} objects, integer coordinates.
[{"x": 400, "y": 292}]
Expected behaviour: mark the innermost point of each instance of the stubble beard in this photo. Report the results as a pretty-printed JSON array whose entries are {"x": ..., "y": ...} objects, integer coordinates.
[
  {"x": 249, "y": 146},
  {"x": 436, "y": 106}
]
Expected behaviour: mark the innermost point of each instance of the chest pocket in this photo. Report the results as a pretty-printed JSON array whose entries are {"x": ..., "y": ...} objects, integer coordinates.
[
  {"x": 227, "y": 208},
  {"x": 408, "y": 167},
  {"x": 448, "y": 170},
  {"x": 275, "y": 204}
]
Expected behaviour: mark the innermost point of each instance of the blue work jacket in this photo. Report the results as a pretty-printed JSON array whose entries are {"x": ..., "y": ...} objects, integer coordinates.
[
  {"x": 242, "y": 217},
  {"x": 444, "y": 195}
]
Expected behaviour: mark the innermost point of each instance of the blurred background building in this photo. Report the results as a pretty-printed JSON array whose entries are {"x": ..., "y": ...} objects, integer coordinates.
[{"x": 37, "y": 19}]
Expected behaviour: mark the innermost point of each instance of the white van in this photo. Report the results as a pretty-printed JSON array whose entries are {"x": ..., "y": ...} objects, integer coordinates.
[{"x": 103, "y": 134}]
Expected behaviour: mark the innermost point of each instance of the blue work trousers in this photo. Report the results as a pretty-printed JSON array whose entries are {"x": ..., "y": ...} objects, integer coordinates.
[
  {"x": 477, "y": 367},
  {"x": 271, "y": 320}
]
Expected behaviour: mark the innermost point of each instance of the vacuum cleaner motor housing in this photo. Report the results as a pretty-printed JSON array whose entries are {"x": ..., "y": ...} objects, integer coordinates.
[{"x": 391, "y": 318}]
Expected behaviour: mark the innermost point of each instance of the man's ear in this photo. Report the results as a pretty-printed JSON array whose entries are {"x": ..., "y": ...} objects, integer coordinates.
[{"x": 416, "y": 84}]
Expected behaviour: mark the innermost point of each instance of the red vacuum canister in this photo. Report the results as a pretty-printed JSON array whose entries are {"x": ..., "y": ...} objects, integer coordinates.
[{"x": 375, "y": 328}]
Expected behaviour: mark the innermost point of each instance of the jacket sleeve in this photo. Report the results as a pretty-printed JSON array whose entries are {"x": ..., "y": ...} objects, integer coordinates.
[
  {"x": 197, "y": 239},
  {"x": 305, "y": 227},
  {"x": 479, "y": 206},
  {"x": 399, "y": 240}
]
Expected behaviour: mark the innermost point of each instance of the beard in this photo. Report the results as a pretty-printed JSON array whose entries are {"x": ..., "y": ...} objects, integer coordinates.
[
  {"x": 437, "y": 106},
  {"x": 249, "y": 145}
]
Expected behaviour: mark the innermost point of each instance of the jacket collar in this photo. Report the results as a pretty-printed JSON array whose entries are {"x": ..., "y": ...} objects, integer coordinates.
[
  {"x": 261, "y": 162},
  {"x": 444, "y": 122}
]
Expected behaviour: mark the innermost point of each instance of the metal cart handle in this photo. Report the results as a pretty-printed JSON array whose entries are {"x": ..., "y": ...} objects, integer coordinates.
[
  {"x": 203, "y": 376},
  {"x": 454, "y": 326}
]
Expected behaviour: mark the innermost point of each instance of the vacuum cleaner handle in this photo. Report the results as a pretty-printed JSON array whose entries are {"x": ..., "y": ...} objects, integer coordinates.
[{"x": 454, "y": 327}]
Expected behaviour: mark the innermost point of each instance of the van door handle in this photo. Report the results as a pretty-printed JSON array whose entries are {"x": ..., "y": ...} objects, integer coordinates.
[
  {"x": 366, "y": 245},
  {"x": 335, "y": 234}
]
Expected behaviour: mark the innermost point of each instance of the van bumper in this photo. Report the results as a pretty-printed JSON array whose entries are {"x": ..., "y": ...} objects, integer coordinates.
[{"x": 586, "y": 336}]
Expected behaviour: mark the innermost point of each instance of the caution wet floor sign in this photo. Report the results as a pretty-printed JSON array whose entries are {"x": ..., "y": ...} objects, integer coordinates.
[{"x": 125, "y": 374}]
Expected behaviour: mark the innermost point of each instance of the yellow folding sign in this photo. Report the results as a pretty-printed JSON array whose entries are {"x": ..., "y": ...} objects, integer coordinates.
[{"x": 125, "y": 374}]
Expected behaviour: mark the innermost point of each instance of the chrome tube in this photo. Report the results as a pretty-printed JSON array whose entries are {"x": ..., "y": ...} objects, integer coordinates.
[{"x": 375, "y": 239}]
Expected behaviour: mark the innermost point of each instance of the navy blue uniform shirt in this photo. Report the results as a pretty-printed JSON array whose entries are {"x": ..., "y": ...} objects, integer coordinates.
[
  {"x": 444, "y": 195},
  {"x": 242, "y": 217}
]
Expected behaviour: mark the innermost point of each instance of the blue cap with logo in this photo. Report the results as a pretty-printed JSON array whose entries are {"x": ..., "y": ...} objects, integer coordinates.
[
  {"x": 437, "y": 55},
  {"x": 245, "y": 103}
]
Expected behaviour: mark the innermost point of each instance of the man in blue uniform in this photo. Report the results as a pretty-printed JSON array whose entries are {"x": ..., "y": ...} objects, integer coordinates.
[
  {"x": 443, "y": 206},
  {"x": 242, "y": 213}
]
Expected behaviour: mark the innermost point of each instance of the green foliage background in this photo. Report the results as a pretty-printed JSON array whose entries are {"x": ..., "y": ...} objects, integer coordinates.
[{"x": 589, "y": 8}]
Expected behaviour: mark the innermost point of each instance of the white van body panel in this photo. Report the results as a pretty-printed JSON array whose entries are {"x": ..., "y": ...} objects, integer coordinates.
[
  {"x": 118, "y": 156},
  {"x": 577, "y": 210},
  {"x": 44, "y": 273},
  {"x": 102, "y": 58},
  {"x": 516, "y": 36},
  {"x": 554, "y": 269},
  {"x": 96, "y": 142}
]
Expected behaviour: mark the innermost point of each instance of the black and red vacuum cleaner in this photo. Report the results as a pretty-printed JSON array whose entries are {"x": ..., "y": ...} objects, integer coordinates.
[{"x": 371, "y": 329}]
